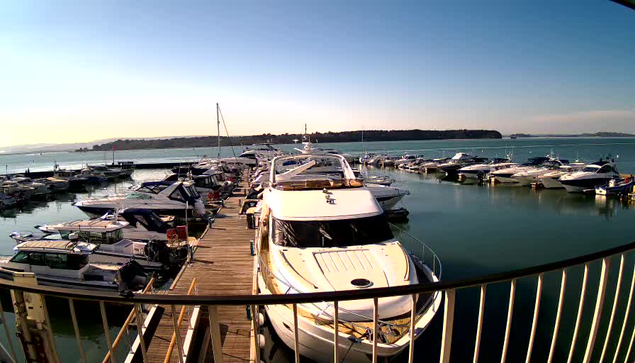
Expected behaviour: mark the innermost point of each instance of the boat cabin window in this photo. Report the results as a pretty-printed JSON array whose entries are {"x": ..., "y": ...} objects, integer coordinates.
[
  {"x": 338, "y": 233},
  {"x": 606, "y": 169},
  {"x": 592, "y": 169},
  {"x": 177, "y": 195},
  {"x": 134, "y": 195},
  {"x": 52, "y": 260}
]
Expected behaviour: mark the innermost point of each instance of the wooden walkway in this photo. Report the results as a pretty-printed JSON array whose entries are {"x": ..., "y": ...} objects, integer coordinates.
[{"x": 222, "y": 265}]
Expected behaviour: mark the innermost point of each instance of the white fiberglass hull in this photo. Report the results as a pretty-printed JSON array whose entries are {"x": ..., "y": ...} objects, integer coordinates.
[
  {"x": 551, "y": 182},
  {"x": 316, "y": 341}
]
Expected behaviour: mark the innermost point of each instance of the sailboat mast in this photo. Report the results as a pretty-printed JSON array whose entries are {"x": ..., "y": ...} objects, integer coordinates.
[{"x": 218, "y": 126}]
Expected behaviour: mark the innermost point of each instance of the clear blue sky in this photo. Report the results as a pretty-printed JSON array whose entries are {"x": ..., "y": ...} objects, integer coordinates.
[{"x": 85, "y": 70}]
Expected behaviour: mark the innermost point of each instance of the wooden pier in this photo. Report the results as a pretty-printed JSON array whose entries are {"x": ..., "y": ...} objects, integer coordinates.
[{"x": 222, "y": 265}]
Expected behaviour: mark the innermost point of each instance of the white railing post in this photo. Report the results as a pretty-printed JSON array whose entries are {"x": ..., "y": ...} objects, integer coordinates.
[
  {"x": 336, "y": 330},
  {"x": 597, "y": 315},
  {"x": 613, "y": 308},
  {"x": 578, "y": 318},
  {"x": 556, "y": 328},
  {"x": 375, "y": 319},
  {"x": 534, "y": 322},
  {"x": 448, "y": 325},
  {"x": 510, "y": 314},
  {"x": 296, "y": 342},
  {"x": 479, "y": 324},
  {"x": 413, "y": 317},
  {"x": 626, "y": 314},
  {"x": 214, "y": 333}
]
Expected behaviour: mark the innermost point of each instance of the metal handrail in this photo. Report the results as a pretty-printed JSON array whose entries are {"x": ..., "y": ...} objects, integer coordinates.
[{"x": 321, "y": 296}]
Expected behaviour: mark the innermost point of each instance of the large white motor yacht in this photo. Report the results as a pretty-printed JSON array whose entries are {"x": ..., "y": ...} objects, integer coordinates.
[
  {"x": 165, "y": 198},
  {"x": 593, "y": 175},
  {"x": 326, "y": 232}
]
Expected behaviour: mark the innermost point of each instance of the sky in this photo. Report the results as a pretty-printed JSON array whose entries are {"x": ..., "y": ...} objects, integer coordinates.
[{"x": 77, "y": 71}]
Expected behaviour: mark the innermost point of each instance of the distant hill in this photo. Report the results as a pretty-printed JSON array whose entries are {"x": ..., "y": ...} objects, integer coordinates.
[
  {"x": 346, "y": 136},
  {"x": 597, "y": 134}
]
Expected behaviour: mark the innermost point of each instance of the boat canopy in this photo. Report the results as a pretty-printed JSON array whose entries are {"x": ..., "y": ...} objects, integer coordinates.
[{"x": 312, "y": 205}]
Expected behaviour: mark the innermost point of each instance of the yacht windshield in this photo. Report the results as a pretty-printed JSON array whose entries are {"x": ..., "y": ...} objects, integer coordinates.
[
  {"x": 591, "y": 169},
  {"x": 339, "y": 233}
]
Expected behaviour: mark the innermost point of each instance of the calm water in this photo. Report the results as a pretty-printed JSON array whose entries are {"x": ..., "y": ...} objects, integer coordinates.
[{"x": 474, "y": 229}]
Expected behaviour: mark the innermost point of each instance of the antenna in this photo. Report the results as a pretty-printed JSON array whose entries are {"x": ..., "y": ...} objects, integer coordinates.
[{"x": 218, "y": 127}]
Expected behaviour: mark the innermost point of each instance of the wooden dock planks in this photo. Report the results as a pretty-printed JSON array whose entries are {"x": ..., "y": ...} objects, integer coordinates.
[{"x": 222, "y": 265}]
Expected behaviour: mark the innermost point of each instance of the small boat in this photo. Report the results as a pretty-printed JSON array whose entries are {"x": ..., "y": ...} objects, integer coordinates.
[
  {"x": 54, "y": 185},
  {"x": 125, "y": 168},
  {"x": 406, "y": 159},
  {"x": 75, "y": 182},
  {"x": 384, "y": 180},
  {"x": 615, "y": 187},
  {"x": 108, "y": 173},
  {"x": 67, "y": 264},
  {"x": 7, "y": 201}
]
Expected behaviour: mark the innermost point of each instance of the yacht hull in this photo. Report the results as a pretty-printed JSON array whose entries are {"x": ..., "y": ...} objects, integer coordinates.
[
  {"x": 315, "y": 341},
  {"x": 551, "y": 183},
  {"x": 580, "y": 185}
]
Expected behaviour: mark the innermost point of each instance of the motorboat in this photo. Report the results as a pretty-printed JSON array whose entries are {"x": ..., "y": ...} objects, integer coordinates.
[
  {"x": 615, "y": 187},
  {"x": 75, "y": 182},
  {"x": 387, "y": 196},
  {"x": 92, "y": 176},
  {"x": 263, "y": 151},
  {"x": 366, "y": 157},
  {"x": 532, "y": 174},
  {"x": 133, "y": 224},
  {"x": 593, "y": 175},
  {"x": 384, "y": 180},
  {"x": 108, "y": 173},
  {"x": 505, "y": 175},
  {"x": 551, "y": 179},
  {"x": 40, "y": 190},
  {"x": 321, "y": 234},
  {"x": 482, "y": 171},
  {"x": 406, "y": 159},
  {"x": 458, "y": 161},
  {"x": 7, "y": 201},
  {"x": 125, "y": 168},
  {"x": 54, "y": 185},
  {"x": 165, "y": 198},
  {"x": 67, "y": 264},
  {"x": 113, "y": 247}
]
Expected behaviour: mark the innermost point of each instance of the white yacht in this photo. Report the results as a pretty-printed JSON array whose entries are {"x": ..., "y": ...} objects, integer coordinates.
[
  {"x": 387, "y": 196},
  {"x": 165, "y": 198},
  {"x": 67, "y": 264},
  {"x": 481, "y": 171},
  {"x": 593, "y": 175},
  {"x": 551, "y": 180},
  {"x": 320, "y": 233}
]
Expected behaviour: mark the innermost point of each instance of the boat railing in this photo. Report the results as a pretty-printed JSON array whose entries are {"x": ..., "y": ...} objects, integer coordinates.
[
  {"x": 603, "y": 330},
  {"x": 419, "y": 250}
]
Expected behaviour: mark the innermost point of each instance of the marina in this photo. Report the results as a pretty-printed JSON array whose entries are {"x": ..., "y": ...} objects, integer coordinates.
[{"x": 226, "y": 250}]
